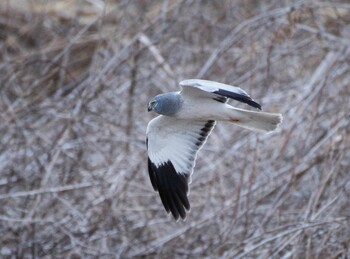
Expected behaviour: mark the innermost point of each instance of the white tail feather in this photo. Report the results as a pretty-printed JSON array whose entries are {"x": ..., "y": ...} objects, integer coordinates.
[{"x": 256, "y": 121}]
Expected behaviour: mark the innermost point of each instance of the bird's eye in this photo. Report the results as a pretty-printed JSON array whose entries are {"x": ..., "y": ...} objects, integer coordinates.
[{"x": 153, "y": 104}]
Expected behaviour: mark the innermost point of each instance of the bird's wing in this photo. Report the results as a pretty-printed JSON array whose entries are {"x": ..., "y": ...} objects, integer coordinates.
[
  {"x": 172, "y": 146},
  {"x": 217, "y": 91}
]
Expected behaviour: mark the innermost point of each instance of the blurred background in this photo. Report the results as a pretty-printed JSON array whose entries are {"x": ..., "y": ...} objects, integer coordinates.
[{"x": 75, "y": 79}]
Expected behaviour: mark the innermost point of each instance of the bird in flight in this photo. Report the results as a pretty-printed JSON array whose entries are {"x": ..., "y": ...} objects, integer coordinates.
[{"x": 186, "y": 120}]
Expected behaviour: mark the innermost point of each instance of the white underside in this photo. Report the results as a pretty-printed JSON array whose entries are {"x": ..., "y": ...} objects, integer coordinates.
[
  {"x": 174, "y": 140},
  {"x": 209, "y": 109}
]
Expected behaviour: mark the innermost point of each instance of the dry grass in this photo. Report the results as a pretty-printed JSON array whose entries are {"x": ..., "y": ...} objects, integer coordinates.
[{"x": 75, "y": 78}]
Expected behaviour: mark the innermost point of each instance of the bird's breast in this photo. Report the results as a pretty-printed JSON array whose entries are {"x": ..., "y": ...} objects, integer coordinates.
[{"x": 202, "y": 109}]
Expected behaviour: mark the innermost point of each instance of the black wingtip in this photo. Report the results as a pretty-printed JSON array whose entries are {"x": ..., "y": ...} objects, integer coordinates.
[
  {"x": 239, "y": 97},
  {"x": 254, "y": 104},
  {"x": 172, "y": 188}
]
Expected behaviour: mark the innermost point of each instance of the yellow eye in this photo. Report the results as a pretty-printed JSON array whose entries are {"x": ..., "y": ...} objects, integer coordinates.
[{"x": 153, "y": 104}]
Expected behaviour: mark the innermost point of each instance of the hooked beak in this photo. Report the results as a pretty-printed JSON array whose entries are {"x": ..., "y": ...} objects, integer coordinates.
[{"x": 149, "y": 108}]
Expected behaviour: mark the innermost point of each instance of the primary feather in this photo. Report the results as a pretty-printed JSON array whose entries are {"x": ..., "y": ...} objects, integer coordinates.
[
  {"x": 220, "y": 89},
  {"x": 172, "y": 146},
  {"x": 185, "y": 122}
]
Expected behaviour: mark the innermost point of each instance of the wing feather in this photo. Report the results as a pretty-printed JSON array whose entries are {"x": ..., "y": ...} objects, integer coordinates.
[
  {"x": 218, "y": 91},
  {"x": 172, "y": 146}
]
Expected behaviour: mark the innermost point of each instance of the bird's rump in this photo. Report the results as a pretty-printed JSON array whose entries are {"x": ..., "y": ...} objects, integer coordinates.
[{"x": 186, "y": 119}]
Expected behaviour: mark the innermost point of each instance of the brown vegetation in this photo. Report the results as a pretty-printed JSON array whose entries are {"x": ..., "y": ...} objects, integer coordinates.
[{"x": 75, "y": 79}]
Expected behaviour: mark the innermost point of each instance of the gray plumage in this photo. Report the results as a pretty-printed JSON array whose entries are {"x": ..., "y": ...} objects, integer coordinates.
[
  {"x": 166, "y": 104},
  {"x": 186, "y": 120}
]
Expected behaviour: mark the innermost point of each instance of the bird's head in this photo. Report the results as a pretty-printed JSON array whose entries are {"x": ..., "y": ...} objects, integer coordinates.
[
  {"x": 152, "y": 105},
  {"x": 165, "y": 104}
]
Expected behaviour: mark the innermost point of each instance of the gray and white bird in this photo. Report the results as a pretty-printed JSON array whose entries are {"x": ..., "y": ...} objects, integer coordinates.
[{"x": 186, "y": 119}]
